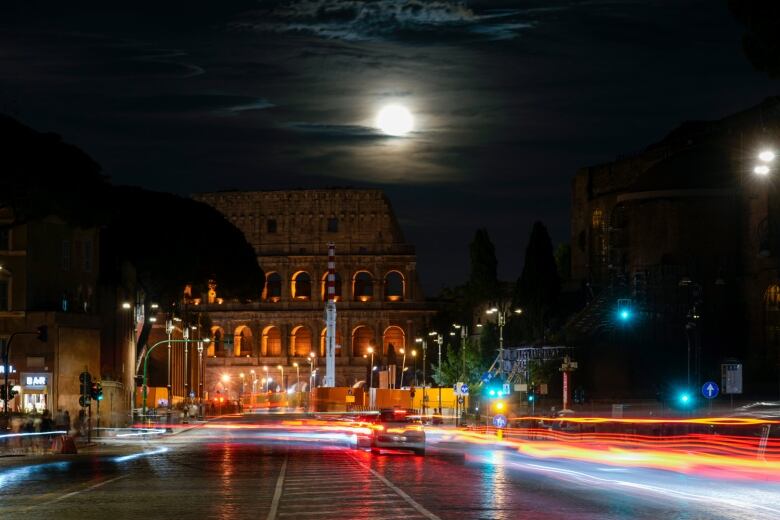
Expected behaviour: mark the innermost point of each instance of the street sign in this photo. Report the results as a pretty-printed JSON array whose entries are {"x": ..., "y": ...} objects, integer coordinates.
[
  {"x": 456, "y": 388},
  {"x": 710, "y": 390},
  {"x": 464, "y": 389},
  {"x": 731, "y": 378},
  {"x": 499, "y": 421},
  {"x": 461, "y": 399},
  {"x": 506, "y": 389}
]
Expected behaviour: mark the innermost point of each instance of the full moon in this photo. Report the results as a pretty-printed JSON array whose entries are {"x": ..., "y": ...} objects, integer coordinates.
[{"x": 395, "y": 120}]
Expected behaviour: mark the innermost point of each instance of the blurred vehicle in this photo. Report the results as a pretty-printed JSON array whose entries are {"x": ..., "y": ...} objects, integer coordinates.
[
  {"x": 557, "y": 425},
  {"x": 758, "y": 410},
  {"x": 393, "y": 430}
]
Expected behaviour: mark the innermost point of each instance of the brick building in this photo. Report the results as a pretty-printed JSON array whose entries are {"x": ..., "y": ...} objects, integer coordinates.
[
  {"x": 380, "y": 300},
  {"x": 685, "y": 235}
]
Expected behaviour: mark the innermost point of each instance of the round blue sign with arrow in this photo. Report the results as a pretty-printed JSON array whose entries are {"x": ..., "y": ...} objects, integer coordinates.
[
  {"x": 710, "y": 390},
  {"x": 499, "y": 421},
  {"x": 464, "y": 389}
]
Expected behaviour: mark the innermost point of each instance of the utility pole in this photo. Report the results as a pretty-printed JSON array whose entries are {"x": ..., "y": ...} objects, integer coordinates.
[
  {"x": 439, "y": 340},
  {"x": 169, "y": 331}
]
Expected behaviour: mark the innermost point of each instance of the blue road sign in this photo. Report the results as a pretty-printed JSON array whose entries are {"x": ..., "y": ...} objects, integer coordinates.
[
  {"x": 464, "y": 389},
  {"x": 499, "y": 421},
  {"x": 710, "y": 390}
]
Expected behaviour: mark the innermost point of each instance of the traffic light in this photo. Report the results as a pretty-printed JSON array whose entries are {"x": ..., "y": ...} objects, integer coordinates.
[
  {"x": 43, "y": 333},
  {"x": 96, "y": 391},
  {"x": 84, "y": 401},
  {"x": 685, "y": 398},
  {"x": 531, "y": 397},
  {"x": 499, "y": 406},
  {"x": 625, "y": 312},
  {"x": 7, "y": 391}
]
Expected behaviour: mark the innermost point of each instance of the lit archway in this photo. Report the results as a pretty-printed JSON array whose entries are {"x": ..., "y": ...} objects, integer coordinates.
[
  {"x": 362, "y": 338},
  {"x": 300, "y": 341},
  {"x": 337, "y": 287},
  {"x": 271, "y": 342},
  {"x": 395, "y": 286},
  {"x": 242, "y": 341},
  {"x": 339, "y": 343},
  {"x": 363, "y": 286},
  {"x": 273, "y": 287},
  {"x": 395, "y": 336},
  {"x": 301, "y": 286},
  {"x": 217, "y": 344}
]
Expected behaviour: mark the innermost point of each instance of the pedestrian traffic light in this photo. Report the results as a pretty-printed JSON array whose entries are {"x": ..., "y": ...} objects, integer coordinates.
[
  {"x": 531, "y": 397},
  {"x": 685, "y": 398}
]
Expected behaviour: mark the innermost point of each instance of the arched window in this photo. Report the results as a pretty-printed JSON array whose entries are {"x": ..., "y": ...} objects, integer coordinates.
[
  {"x": 394, "y": 336},
  {"x": 273, "y": 287},
  {"x": 362, "y": 338},
  {"x": 597, "y": 219},
  {"x": 772, "y": 314},
  {"x": 394, "y": 286},
  {"x": 272, "y": 342},
  {"x": 217, "y": 345},
  {"x": 242, "y": 341},
  {"x": 339, "y": 342},
  {"x": 337, "y": 287},
  {"x": 363, "y": 286},
  {"x": 300, "y": 341},
  {"x": 301, "y": 286}
]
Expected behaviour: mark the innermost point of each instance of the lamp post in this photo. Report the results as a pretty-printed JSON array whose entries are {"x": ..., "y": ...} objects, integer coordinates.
[
  {"x": 146, "y": 361},
  {"x": 403, "y": 366},
  {"x": 254, "y": 389},
  {"x": 241, "y": 392},
  {"x": 265, "y": 368},
  {"x": 414, "y": 365},
  {"x": 370, "y": 350},
  {"x": 281, "y": 369},
  {"x": 424, "y": 362},
  {"x": 297, "y": 384},
  {"x": 439, "y": 340},
  {"x": 169, "y": 331},
  {"x": 312, "y": 356},
  {"x": 502, "y": 314},
  {"x": 200, "y": 375}
]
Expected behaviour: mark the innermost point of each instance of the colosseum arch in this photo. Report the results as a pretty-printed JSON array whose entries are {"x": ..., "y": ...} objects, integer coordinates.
[
  {"x": 243, "y": 341},
  {"x": 363, "y": 286},
  {"x": 395, "y": 286},
  {"x": 324, "y": 287},
  {"x": 301, "y": 286},
  {"x": 300, "y": 341},
  {"x": 271, "y": 342},
  {"x": 339, "y": 342},
  {"x": 217, "y": 345},
  {"x": 395, "y": 336},
  {"x": 362, "y": 338},
  {"x": 272, "y": 292}
]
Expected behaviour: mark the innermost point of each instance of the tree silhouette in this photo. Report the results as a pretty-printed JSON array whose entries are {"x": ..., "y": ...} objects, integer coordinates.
[{"x": 538, "y": 287}]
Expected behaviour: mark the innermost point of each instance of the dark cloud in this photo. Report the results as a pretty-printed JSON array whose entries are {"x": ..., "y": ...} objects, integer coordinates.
[{"x": 362, "y": 20}]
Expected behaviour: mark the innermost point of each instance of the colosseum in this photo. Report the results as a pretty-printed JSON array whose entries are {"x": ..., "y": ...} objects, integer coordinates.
[{"x": 379, "y": 298}]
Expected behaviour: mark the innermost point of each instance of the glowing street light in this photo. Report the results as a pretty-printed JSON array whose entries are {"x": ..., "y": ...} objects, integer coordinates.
[
  {"x": 761, "y": 169},
  {"x": 370, "y": 350},
  {"x": 766, "y": 156}
]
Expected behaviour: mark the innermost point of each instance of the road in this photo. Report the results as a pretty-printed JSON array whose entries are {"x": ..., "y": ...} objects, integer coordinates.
[{"x": 225, "y": 473}]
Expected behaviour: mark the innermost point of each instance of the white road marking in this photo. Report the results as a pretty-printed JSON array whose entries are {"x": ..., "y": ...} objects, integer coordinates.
[
  {"x": 278, "y": 491},
  {"x": 400, "y": 492},
  {"x": 74, "y": 493}
]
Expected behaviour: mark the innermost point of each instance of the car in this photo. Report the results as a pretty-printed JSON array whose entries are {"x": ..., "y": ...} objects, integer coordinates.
[{"x": 396, "y": 430}]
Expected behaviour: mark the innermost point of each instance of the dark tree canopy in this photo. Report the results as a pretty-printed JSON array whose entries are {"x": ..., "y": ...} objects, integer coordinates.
[
  {"x": 538, "y": 288},
  {"x": 761, "y": 41},
  {"x": 483, "y": 280}
]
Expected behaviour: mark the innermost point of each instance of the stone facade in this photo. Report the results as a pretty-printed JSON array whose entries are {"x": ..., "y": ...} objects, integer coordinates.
[
  {"x": 380, "y": 300},
  {"x": 687, "y": 233}
]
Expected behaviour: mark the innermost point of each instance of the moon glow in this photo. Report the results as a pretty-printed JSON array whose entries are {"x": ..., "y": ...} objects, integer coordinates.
[{"x": 395, "y": 120}]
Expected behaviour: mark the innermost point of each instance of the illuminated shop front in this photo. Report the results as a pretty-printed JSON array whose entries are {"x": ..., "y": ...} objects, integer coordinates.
[{"x": 35, "y": 391}]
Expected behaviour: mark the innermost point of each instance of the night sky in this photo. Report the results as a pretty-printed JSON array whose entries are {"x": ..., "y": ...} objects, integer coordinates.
[{"x": 509, "y": 98}]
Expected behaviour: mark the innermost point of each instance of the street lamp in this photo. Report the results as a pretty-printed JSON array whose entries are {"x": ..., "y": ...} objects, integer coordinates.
[
  {"x": 370, "y": 350},
  {"x": 403, "y": 366},
  {"x": 424, "y": 362},
  {"x": 281, "y": 368},
  {"x": 297, "y": 384},
  {"x": 414, "y": 363},
  {"x": 241, "y": 390},
  {"x": 501, "y": 315},
  {"x": 765, "y": 157},
  {"x": 439, "y": 340}
]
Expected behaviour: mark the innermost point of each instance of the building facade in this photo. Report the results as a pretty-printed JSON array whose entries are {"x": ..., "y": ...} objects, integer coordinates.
[
  {"x": 380, "y": 302},
  {"x": 684, "y": 235}
]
